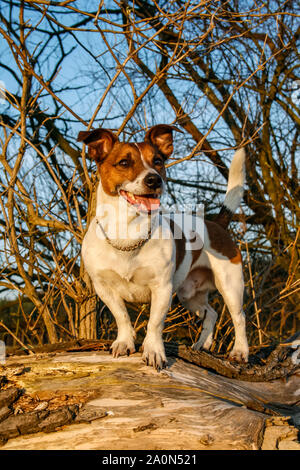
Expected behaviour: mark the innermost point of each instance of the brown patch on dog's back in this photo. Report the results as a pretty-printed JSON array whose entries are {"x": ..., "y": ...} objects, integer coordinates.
[
  {"x": 195, "y": 253},
  {"x": 221, "y": 241},
  {"x": 181, "y": 244},
  {"x": 238, "y": 258}
]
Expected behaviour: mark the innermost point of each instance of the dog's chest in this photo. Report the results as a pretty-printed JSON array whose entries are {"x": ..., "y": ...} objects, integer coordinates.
[
  {"x": 114, "y": 266},
  {"x": 130, "y": 280},
  {"x": 132, "y": 272}
]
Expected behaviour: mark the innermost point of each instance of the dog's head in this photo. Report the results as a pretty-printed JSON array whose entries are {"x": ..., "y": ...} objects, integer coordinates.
[{"x": 135, "y": 171}]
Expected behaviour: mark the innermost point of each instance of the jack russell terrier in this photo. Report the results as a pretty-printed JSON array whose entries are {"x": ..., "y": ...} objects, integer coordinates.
[{"x": 132, "y": 254}]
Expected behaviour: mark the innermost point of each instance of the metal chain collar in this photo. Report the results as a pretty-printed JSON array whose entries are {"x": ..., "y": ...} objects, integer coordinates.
[{"x": 133, "y": 247}]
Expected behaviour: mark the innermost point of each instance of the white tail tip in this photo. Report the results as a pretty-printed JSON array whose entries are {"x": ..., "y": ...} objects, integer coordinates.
[{"x": 236, "y": 181}]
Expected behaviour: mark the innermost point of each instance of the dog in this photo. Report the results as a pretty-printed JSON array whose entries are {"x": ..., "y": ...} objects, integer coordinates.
[{"x": 131, "y": 253}]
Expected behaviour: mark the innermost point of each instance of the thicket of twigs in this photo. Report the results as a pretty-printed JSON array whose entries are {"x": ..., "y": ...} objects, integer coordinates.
[{"x": 224, "y": 72}]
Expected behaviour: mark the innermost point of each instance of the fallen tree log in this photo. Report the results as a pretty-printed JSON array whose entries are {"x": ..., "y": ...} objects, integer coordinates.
[
  {"x": 89, "y": 400},
  {"x": 275, "y": 362},
  {"x": 278, "y": 365}
]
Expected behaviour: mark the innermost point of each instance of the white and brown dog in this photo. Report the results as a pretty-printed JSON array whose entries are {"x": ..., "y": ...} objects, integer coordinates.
[{"x": 132, "y": 255}]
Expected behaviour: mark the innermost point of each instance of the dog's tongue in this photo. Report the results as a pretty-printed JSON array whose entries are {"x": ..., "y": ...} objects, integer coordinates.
[{"x": 147, "y": 204}]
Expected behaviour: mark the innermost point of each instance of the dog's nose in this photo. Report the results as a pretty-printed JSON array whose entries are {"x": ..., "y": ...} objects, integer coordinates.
[{"x": 153, "y": 181}]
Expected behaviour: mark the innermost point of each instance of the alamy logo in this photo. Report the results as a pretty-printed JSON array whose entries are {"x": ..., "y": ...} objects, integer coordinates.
[
  {"x": 122, "y": 223},
  {"x": 2, "y": 352}
]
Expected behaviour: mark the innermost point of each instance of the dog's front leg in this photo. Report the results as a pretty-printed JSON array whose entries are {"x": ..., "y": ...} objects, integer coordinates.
[
  {"x": 124, "y": 344},
  {"x": 153, "y": 346}
]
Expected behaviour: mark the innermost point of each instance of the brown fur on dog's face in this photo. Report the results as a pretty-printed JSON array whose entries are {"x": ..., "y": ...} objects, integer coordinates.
[{"x": 123, "y": 162}]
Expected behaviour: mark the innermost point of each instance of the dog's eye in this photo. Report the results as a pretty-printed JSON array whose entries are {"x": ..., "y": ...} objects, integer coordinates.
[
  {"x": 158, "y": 161},
  {"x": 124, "y": 163}
]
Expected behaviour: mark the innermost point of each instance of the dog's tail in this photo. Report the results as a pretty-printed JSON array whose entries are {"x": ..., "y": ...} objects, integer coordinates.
[{"x": 235, "y": 189}]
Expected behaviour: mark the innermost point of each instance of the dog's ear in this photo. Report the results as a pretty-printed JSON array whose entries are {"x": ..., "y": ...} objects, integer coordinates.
[
  {"x": 161, "y": 137},
  {"x": 100, "y": 142}
]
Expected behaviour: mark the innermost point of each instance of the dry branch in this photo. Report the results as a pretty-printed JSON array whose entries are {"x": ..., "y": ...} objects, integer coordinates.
[{"x": 204, "y": 66}]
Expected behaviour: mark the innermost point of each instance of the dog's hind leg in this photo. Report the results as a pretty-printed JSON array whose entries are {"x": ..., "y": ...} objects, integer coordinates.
[
  {"x": 198, "y": 304},
  {"x": 229, "y": 282},
  {"x": 124, "y": 344},
  {"x": 206, "y": 335}
]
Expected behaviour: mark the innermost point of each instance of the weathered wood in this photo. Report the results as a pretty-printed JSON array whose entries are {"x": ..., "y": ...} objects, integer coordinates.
[
  {"x": 277, "y": 361},
  {"x": 89, "y": 400},
  {"x": 268, "y": 364},
  {"x": 279, "y": 364},
  {"x": 9, "y": 396},
  {"x": 5, "y": 412}
]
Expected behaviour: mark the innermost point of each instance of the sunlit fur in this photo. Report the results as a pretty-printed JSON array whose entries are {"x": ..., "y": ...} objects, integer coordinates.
[{"x": 155, "y": 271}]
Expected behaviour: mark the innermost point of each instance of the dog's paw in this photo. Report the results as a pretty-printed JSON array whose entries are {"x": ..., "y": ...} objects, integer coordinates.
[
  {"x": 197, "y": 346},
  {"x": 203, "y": 343},
  {"x": 239, "y": 355},
  {"x": 122, "y": 348},
  {"x": 154, "y": 354}
]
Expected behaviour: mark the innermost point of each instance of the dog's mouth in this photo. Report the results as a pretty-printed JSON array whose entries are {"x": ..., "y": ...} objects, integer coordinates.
[{"x": 142, "y": 202}]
